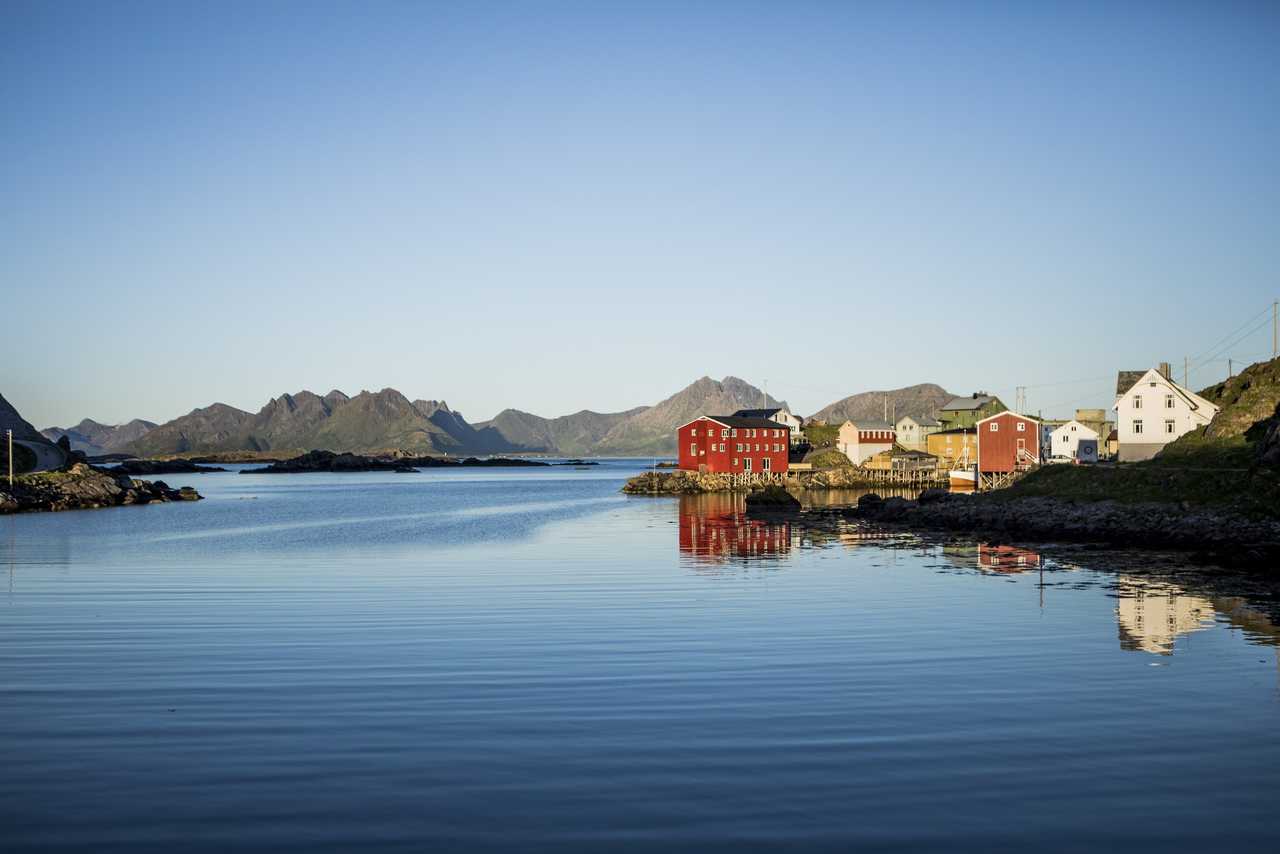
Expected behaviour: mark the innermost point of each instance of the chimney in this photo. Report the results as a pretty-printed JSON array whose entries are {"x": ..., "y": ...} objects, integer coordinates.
[{"x": 1166, "y": 371}]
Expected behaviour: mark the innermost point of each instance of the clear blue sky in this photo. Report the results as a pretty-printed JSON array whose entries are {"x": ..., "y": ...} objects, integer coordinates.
[{"x": 554, "y": 206}]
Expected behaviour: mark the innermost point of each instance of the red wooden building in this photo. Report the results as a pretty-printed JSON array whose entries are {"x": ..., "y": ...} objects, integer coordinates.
[
  {"x": 732, "y": 444},
  {"x": 1007, "y": 443}
]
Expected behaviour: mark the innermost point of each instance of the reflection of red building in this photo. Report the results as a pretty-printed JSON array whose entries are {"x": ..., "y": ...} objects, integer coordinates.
[
  {"x": 1007, "y": 558},
  {"x": 714, "y": 528}
]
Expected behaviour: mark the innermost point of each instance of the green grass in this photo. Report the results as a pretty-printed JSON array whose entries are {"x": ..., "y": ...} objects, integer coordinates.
[
  {"x": 828, "y": 458},
  {"x": 822, "y": 436},
  {"x": 1196, "y": 480}
]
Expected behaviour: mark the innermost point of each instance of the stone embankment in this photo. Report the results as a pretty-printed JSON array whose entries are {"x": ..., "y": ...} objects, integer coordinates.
[
  {"x": 682, "y": 482},
  {"x": 82, "y": 487},
  {"x": 1227, "y": 537}
]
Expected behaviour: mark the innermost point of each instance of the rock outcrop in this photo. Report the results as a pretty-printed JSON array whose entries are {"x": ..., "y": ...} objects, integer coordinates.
[
  {"x": 328, "y": 461},
  {"x": 83, "y": 487},
  {"x": 155, "y": 467}
]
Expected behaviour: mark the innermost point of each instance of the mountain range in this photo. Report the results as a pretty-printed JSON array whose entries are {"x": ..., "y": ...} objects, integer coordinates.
[
  {"x": 386, "y": 420},
  {"x": 915, "y": 400}
]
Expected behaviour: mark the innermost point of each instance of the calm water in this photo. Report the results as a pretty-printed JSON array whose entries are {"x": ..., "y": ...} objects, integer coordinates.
[{"x": 526, "y": 659}]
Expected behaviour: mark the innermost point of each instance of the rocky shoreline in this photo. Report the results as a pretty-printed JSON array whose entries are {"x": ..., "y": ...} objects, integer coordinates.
[
  {"x": 82, "y": 487},
  {"x": 1215, "y": 536},
  {"x": 154, "y": 467},
  {"x": 681, "y": 482}
]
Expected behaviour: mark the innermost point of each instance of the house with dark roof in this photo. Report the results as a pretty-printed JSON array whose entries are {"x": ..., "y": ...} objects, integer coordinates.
[
  {"x": 778, "y": 414},
  {"x": 1152, "y": 410},
  {"x": 960, "y": 412},
  {"x": 733, "y": 444}
]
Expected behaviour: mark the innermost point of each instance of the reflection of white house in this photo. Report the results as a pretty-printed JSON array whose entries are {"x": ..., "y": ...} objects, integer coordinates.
[
  {"x": 1151, "y": 615},
  {"x": 913, "y": 431},
  {"x": 1152, "y": 410},
  {"x": 777, "y": 414},
  {"x": 1064, "y": 441},
  {"x": 862, "y": 441}
]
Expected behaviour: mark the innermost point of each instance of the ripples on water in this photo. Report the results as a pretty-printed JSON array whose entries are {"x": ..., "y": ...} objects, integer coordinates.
[{"x": 528, "y": 660}]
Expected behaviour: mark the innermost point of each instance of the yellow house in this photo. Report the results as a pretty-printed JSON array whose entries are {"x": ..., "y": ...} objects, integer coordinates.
[{"x": 952, "y": 446}]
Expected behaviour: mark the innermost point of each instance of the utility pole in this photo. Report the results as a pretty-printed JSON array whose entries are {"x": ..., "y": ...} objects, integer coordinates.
[
  {"x": 1275, "y": 316},
  {"x": 1230, "y": 370},
  {"x": 886, "y": 407},
  {"x": 9, "y": 435},
  {"x": 1186, "y": 371}
]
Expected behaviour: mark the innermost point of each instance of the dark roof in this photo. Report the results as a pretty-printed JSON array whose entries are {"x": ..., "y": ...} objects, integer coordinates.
[
  {"x": 741, "y": 422},
  {"x": 1126, "y": 380},
  {"x": 757, "y": 413},
  {"x": 963, "y": 404},
  {"x": 957, "y": 430},
  {"x": 925, "y": 420}
]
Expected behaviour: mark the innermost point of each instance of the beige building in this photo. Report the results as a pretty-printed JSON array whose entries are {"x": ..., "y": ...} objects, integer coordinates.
[
  {"x": 914, "y": 430},
  {"x": 862, "y": 441}
]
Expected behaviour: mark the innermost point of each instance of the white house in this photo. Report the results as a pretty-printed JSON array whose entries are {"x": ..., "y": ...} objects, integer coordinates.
[
  {"x": 777, "y": 414},
  {"x": 913, "y": 431},
  {"x": 862, "y": 441},
  {"x": 1064, "y": 441},
  {"x": 1152, "y": 410}
]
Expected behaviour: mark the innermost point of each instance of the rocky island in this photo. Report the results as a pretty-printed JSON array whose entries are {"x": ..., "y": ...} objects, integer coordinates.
[
  {"x": 328, "y": 461},
  {"x": 82, "y": 486}
]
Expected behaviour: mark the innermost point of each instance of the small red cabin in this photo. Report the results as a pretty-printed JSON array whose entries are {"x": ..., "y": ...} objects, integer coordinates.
[
  {"x": 1007, "y": 442},
  {"x": 732, "y": 444}
]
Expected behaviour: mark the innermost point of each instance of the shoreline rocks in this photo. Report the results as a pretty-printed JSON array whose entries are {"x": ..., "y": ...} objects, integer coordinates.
[
  {"x": 1219, "y": 536},
  {"x": 83, "y": 487},
  {"x": 328, "y": 461},
  {"x": 154, "y": 467}
]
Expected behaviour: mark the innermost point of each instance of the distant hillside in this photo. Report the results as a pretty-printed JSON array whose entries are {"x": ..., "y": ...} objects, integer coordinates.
[
  {"x": 573, "y": 435},
  {"x": 384, "y": 420},
  {"x": 370, "y": 421},
  {"x": 11, "y": 420},
  {"x": 915, "y": 400},
  {"x": 653, "y": 430},
  {"x": 93, "y": 437}
]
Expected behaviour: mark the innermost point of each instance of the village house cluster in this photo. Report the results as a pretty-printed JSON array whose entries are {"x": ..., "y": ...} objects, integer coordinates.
[{"x": 970, "y": 441}]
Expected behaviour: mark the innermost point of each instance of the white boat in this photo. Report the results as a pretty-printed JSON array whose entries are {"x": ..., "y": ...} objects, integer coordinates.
[{"x": 964, "y": 475}]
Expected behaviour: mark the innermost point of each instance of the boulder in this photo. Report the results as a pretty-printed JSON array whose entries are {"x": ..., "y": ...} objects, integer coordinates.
[{"x": 772, "y": 498}]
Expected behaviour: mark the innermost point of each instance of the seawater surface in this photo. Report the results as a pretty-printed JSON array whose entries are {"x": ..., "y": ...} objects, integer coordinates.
[{"x": 526, "y": 659}]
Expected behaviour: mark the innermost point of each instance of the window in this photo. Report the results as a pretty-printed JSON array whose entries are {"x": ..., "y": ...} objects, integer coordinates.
[
  {"x": 733, "y": 433},
  {"x": 994, "y": 428},
  {"x": 694, "y": 432},
  {"x": 1137, "y": 401},
  {"x": 766, "y": 464},
  {"x": 1022, "y": 427},
  {"x": 1073, "y": 428},
  {"x": 735, "y": 462},
  {"x": 746, "y": 463},
  {"x": 738, "y": 447},
  {"x": 1168, "y": 427},
  {"x": 1168, "y": 401},
  {"x": 1137, "y": 426},
  {"x": 693, "y": 448},
  {"x": 724, "y": 434},
  {"x": 722, "y": 447},
  {"x": 777, "y": 434}
]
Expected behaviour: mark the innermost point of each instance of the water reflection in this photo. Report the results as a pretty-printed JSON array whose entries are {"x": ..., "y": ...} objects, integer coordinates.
[
  {"x": 1151, "y": 615},
  {"x": 714, "y": 529},
  {"x": 1006, "y": 559}
]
